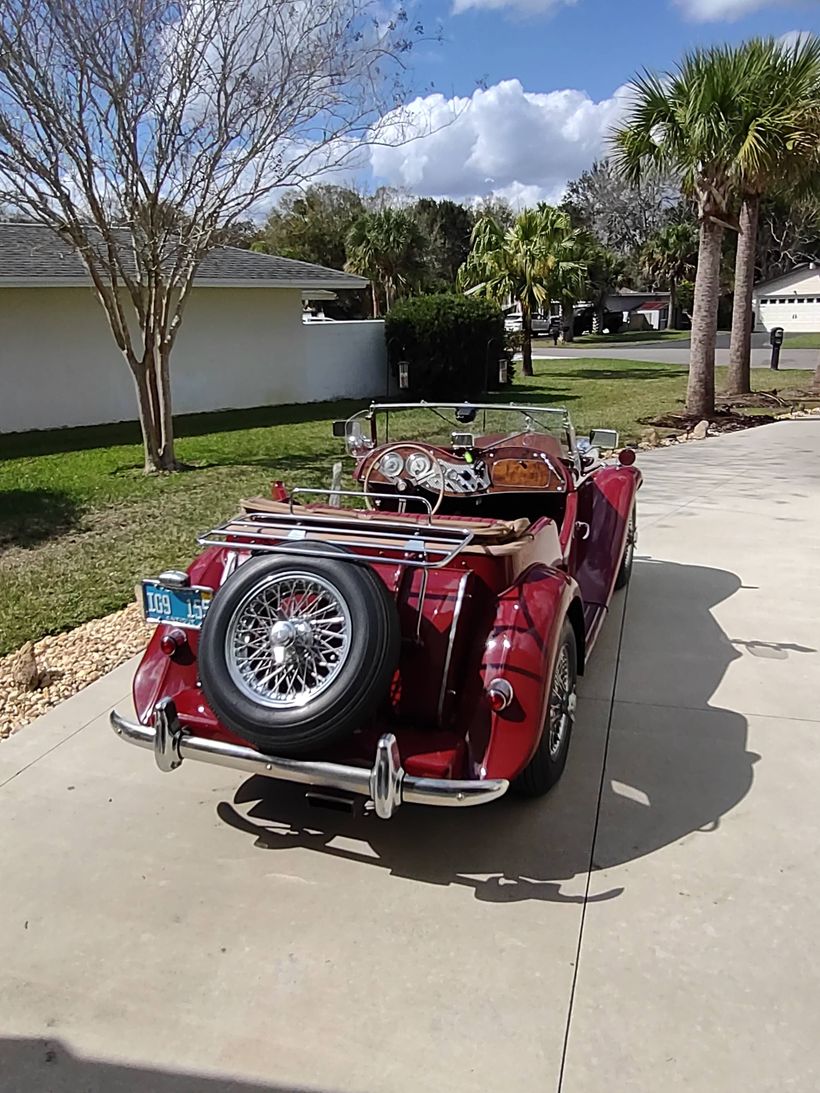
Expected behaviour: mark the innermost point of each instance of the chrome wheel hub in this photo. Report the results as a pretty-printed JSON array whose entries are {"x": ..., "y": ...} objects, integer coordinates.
[
  {"x": 563, "y": 701},
  {"x": 288, "y": 640}
]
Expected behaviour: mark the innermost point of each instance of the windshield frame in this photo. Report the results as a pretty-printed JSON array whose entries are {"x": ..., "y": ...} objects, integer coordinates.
[{"x": 533, "y": 414}]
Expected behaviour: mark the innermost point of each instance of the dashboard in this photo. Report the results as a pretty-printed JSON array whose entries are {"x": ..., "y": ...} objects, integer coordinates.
[{"x": 515, "y": 467}]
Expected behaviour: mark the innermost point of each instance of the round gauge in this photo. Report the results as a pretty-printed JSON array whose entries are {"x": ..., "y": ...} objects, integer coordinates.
[
  {"x": 419, "y": 464},
  {"x": 392, "y": 465}
]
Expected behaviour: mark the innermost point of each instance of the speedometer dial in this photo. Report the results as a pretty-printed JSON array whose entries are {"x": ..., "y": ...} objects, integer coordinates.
[{"x": 419, "y": 464}]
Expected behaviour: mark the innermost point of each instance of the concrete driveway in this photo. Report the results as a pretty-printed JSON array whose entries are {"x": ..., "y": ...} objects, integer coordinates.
[{"x": 650, "y": 927}]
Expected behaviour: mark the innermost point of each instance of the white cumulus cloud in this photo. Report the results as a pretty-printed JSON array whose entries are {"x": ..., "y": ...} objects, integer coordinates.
[
  {"x": 712, "y": 11},
  {"x": 503, "y": 140}
]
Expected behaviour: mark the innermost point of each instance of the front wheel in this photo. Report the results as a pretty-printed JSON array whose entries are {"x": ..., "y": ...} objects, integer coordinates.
[
  {"x": 545, "y": 768},
  {"x": 625, "y": 572}
]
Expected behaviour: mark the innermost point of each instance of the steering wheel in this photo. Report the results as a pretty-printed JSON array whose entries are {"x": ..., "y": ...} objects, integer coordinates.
[{"x": 434, "y": 470}]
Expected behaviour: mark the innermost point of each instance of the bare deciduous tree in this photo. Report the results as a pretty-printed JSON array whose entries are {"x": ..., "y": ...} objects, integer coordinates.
[{"x": 143, "y": 130}]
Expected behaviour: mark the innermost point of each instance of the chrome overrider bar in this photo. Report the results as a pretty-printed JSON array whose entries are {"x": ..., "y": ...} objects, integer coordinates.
[{"x": 386, "y": 784}]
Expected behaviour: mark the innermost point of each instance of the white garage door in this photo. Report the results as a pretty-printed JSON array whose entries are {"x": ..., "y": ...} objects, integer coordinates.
[{"x": 796, "y": 314}]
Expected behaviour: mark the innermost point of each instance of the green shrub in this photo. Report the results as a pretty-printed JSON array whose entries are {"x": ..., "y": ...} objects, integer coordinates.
[{"x": 452, "y": 344}]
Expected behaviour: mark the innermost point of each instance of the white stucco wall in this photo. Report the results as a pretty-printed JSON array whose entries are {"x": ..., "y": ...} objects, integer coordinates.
[
  {"x": 59, "y": 365},
  {"x": 345, "y": 360}
]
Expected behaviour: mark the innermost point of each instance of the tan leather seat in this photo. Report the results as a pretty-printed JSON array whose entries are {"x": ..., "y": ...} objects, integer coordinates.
[{"x": 484, "y": 530}]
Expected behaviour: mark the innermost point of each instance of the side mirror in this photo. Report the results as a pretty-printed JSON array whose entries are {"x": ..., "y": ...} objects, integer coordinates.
[
  {"x": 604, "y": 438},
  {"x": 340, "y": 429}
]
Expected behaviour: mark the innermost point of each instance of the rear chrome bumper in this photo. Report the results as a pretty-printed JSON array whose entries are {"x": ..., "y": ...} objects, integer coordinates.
[{"x": 385, "y": 784}]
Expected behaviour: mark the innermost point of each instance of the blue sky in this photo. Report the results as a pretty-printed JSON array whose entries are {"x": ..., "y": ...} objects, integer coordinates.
[{"x": 550, "y": 72}]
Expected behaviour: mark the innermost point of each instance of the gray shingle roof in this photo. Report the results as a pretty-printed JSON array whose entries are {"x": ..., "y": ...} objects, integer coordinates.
[{"x": 33, "y": 255}]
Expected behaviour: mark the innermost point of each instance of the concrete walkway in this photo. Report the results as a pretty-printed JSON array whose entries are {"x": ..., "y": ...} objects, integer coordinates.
[{"x": 649, "y": 927}]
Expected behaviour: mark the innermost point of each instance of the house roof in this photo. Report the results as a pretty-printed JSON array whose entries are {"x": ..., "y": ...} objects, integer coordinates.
[
  {"x": 803, "y": 268},
  {"x": 32, "y": 255},
  {"x": 653, "y": 305}
]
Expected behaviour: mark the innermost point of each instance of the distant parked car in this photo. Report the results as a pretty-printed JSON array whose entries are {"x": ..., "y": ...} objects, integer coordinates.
[{"x": 541, "y": 324}]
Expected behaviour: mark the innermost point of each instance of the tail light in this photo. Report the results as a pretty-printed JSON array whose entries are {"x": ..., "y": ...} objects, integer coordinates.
[
  {"x": 500, "y": 695},
  {"x": 172, "y": 641}
]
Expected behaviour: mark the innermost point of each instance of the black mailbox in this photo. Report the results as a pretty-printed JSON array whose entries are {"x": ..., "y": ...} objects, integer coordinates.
[{"x": 776, "y": 336}]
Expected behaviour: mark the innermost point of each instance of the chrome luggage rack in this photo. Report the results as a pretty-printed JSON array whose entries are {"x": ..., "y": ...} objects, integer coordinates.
[{"x": 423, "y": 546}]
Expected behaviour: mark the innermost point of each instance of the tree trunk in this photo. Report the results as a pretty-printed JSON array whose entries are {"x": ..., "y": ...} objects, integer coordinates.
[
  {"x": 700, "y": 394},
  {"x": 740, "y": 355},
  {"x": 568, "y": 321},
  {"x": 673, "y": 305},
  {"x": 374, "y": 296},
  {"x": 598, "y": 319},
  {"x": 156, "y": 423},
  {"x": 526, "y": 331},
  {"x": 816, "y": 385}
]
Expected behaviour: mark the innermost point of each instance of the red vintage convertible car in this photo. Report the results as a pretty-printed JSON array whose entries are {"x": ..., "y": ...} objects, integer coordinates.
[{"x": 422, "y": 647}]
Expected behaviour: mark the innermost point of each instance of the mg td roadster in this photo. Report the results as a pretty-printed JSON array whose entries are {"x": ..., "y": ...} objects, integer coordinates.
[{"x": 418, "y": 639}]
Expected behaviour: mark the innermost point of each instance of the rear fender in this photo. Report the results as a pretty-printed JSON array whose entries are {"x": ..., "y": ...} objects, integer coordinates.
[{"x": 521, "y": 648}]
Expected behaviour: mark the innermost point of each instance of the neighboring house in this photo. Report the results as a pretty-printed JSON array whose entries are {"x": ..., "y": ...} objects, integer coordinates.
[
  {"x": 791, "y": 301},
  {"x": 648, "y": 308},
  {"x": 242, "y": 342}
]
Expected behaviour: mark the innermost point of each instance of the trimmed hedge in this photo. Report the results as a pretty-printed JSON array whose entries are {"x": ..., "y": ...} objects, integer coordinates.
[{"x": 452, "y": 343}]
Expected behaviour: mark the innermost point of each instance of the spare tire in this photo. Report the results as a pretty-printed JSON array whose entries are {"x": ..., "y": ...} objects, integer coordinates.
[{"x": 297, "y": 652}]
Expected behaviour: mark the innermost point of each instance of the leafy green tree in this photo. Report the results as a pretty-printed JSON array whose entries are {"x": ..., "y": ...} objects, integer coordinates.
[
  {"x": 312, "y": 226},
  {"x": 448, "y": 227},
  {"x": 703, "y": 122},
  {"x": 669, "y": 258},
  {"x": 389, "y": 248},
  {"x": 527, "y": 263},
  {"x": 782, "y": 127}
]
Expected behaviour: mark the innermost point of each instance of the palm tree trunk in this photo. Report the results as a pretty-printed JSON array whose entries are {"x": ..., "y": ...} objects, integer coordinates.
[
  {"x": 673, "y": 305},
  {"x": 526, "y": 330},
  {"x": 740, "y": 355},
  {"x": 375, "y": 298},
  {"x": 816, "y": 384},
  {"x": 700, "y": 394},
  {"x": 568, "y": 321}
]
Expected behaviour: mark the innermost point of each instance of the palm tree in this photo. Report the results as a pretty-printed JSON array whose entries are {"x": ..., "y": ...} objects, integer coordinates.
[
  {"x": 783, "y": 130},
  {"x": 700, "y": 121},
  {"x": 669, "y": 257},
  {"x": 525, "y": 262},
  {"x": 388, "y": 247}
]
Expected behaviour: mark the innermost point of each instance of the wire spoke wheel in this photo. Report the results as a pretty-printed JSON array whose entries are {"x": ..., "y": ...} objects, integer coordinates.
[
  {"x": 288, "y": 640},
  {"x": 562, "y": 704}
]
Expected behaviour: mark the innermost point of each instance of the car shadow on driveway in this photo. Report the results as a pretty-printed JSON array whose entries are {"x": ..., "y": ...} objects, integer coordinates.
[
  {"x": 669, "y": 773},
  {"x": 48, "y": 1066}
]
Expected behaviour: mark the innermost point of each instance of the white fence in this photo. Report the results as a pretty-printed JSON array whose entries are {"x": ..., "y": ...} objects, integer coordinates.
[
  {"x": 344, "y": 360},
  {"x": 237, "y": 348}
]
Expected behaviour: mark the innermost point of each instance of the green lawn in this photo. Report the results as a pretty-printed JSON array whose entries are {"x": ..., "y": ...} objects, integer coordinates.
[
  {"x": 630, "y": 337},
  {"x": 80, "y": 523},
  {"x": 803, "y": 341}
]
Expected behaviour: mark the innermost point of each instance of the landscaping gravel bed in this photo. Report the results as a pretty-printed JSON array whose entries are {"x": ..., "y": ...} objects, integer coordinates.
[{"x": 66, "y": 663}]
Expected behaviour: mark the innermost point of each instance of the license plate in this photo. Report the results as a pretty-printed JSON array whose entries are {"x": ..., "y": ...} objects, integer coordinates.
[{"x": 179, "y": 606}]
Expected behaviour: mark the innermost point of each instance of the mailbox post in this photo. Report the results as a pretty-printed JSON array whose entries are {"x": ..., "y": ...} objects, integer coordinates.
[{"x": 776, "y": 338}]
